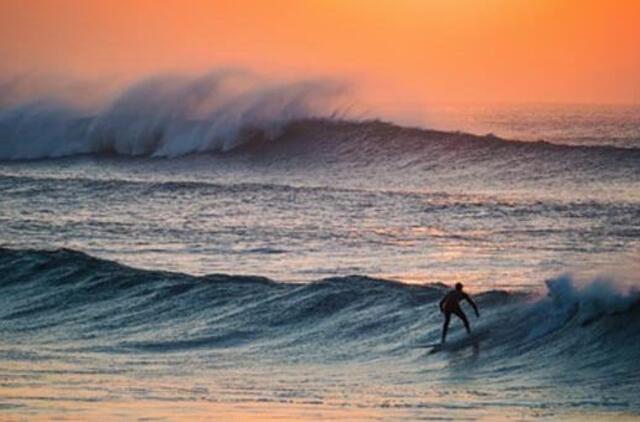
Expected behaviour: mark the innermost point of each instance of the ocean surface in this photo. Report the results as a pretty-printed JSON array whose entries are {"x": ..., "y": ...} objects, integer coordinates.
[{"x": 288, "y": 265}]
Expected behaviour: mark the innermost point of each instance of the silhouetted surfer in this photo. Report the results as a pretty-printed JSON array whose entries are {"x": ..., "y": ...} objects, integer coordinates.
[{"x": 450, "y": 304}]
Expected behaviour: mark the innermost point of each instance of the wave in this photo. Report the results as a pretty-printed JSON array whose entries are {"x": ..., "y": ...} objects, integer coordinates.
[
  {"x": 168, "y": 116},
  {"x": 230, "y": 111},
  {"x": 101, "y": 306},
  {"x": 371, "y": 146}
]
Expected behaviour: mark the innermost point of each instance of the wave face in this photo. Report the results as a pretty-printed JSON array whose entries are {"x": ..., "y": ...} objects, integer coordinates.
[
  {"x": 357, "y": 150},
  {"x": 71, "y": 300}
]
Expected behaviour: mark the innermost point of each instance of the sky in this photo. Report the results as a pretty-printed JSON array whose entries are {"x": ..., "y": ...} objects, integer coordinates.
[{"x": 400, "y": 52}]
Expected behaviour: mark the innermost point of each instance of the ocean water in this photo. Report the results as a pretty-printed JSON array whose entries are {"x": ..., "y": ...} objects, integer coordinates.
[{"x": 286, "y": 263}]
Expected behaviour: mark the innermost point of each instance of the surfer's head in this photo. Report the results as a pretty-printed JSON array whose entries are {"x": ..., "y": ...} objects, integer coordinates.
[{"x": 459, "y": 286}]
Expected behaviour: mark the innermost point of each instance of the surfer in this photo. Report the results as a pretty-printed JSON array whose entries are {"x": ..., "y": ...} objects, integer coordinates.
[{"x": 450, "y": 304}]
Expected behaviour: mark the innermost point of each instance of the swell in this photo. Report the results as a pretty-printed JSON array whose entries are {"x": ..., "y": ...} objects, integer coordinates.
[
  {"x": 380, "y": 145},
  {"x": 66, "y": 299},
  {"x": 405, "y": 156}
]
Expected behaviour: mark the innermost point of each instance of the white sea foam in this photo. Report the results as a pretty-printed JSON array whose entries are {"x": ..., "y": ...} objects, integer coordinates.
[
  {"x": 168, "y": 116},
  {"x": 591, "y": 299}
]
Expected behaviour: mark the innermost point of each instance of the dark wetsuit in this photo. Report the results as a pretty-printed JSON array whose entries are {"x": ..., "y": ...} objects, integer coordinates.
[{"x": 450, "y": 304}]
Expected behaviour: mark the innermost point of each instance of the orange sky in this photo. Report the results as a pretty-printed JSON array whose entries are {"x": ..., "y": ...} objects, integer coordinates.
[{"x": 402, "y": 51}]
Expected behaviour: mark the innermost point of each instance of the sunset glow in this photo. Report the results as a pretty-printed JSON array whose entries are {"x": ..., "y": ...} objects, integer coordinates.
[{"x": 401, "y": 51}]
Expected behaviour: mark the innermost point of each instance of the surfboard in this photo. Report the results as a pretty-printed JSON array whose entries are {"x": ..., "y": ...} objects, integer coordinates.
[
  {"x": 426, "y": 345},
  {"x": 456, "y": 344}
]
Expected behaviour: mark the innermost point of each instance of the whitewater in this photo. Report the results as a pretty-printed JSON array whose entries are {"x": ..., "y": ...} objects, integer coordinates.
[{"x": 230, "y": 246}]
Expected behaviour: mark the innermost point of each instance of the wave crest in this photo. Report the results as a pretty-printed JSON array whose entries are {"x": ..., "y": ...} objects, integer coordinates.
[{"x": 168, "y": 116}]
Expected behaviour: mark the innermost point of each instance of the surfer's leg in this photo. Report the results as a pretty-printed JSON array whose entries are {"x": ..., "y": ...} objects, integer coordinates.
[
  {"x": 464, "y": 319},
  {"x": 445, "y": 327}
]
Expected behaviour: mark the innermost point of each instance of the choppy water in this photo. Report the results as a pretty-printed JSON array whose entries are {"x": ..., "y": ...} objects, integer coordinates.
[
  {"x": 113, "y": 229},
  {"x": 340, "y": 198}
]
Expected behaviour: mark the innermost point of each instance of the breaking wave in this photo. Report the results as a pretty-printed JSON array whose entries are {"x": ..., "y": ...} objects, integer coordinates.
[
  {"x": 238, "y": 111},
  {"x": 102, "y": 306},
  {"x": 168, "y": 116}
]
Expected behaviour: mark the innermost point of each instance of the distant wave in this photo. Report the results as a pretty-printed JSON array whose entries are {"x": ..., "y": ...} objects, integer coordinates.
[
  {"x": 99, "y": 305},
  {"x": 235, "y": 111},
  {"x": 167, "y": 116}
]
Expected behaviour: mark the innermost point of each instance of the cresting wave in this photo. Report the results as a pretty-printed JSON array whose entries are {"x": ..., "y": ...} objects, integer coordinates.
[
  {"x": 101, "y": 306},
  {"x": 167, "y": 116},
  {"x": 231, "y": 110}
]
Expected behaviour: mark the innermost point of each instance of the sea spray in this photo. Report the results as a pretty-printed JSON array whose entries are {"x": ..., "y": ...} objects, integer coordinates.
[{"x": 169, "y": 115}]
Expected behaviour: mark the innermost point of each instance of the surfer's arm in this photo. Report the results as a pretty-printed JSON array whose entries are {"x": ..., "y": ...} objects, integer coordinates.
[
  {"x": 472, "y": 303},
  {"x": 441, "y": 305}
]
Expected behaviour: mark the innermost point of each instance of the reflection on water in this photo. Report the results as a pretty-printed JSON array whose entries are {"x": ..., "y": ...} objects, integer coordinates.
[{"x": 109, "y": 389}]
